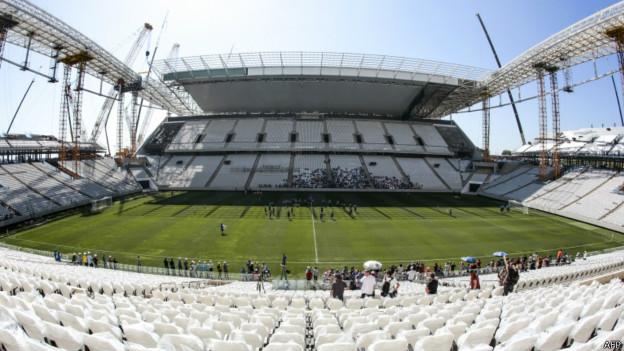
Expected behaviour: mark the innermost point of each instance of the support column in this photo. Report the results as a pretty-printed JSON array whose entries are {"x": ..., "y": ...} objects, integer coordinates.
[
  {"x": 554, "y": 88},
  {"x": 120, "y": 117},
  {"x": 133, "y": 126},
  {"x": 65, "y": 97},
  {"x": 78, "y": 114},
  {"x": 6, "y": 22},
  {"x": 485, "y": 96},
  {"x": 542, "y": 115}
]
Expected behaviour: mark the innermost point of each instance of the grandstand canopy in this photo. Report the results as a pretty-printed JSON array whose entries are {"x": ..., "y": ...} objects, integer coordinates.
[{"x": 295, "y": 82}]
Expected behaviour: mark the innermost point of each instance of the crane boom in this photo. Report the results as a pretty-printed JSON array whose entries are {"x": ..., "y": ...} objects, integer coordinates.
[
  {"x": 511, "y": 99},
  {"x": 108, "y": 103}
]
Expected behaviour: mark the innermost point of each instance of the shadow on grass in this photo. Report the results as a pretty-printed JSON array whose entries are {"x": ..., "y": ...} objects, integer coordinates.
[{"x": 444, "y": 200}]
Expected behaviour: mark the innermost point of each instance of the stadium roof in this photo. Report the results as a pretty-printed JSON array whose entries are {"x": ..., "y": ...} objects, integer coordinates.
[
  {"x": 583, "y": 41},
  {"x": 48, "y": 32},
  {"x": 322, "y": 82}
]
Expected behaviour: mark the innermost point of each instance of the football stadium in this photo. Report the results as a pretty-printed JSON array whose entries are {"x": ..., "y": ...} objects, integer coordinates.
[{"x": 304, "y": 200}]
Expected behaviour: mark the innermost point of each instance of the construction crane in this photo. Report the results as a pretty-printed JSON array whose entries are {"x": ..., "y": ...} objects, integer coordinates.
[
  {"x": 511, "y": 99},
  {"x": 111, "y": 96},
  {"x": 145, "y": 124},
  {"x": 136, "y": 113},
  {"x": 173, "y": 54}
]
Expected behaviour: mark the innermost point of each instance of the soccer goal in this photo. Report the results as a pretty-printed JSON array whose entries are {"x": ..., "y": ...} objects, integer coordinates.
[
  {"x": 99, "y": 204},
  {"x": 517, "y": 206}
]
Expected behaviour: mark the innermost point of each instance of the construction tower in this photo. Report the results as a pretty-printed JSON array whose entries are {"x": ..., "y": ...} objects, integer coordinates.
[
  {"x": 485, "y": 96},
  {"x": 541, "y": 103},
  {"x": 80, "y": 60},
  {"x": 556, "y": 126},
  {"x": 617, "y": 34},
  {"x": 6, "y": 22}
]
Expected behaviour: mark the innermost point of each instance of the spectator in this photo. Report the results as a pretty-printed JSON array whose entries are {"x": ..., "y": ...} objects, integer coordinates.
[
  {"x": 338, "y": 288},
  {"x": 166, "y": 263},
  {"x": 510, "y": 278},
  {"x": 432, "y": 285},
  {"x": 368, "y": 285},
  {"x": 308, "y": 276},
  {"x": 474, "y": 280},
  {"x": 390, "y": 285},
  {"x": 284, "y": 271},
  {"x": 139, "y": 264}
]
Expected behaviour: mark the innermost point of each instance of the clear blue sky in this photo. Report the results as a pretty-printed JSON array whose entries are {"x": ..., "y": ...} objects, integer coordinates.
[{"x": 445, "y": 31}]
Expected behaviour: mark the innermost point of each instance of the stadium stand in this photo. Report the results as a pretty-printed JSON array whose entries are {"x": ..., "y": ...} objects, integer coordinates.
[
  {"x": 446, "y": 171},
  {"x": 518, "y": 182},
  {"x": 341, "y": 135},
  {"x": 384, "y": 173},
  {"x": 171, "y": 169},
  {"x": 618, "y": 149},
  {"x": 20, "y": 197},
  {"x": 309, "y": 171},
  {"x": 45, "y": 303},
  {"x": 584, "y": 194},
  {"x": 271, "y": 171},
  {"x": 246, "y": 134},
  {"x": 432, "y": 139},
  {"x": 372, "y": 135},
  {"x": 46, "y": 186},
  {"x": 347, "y": 172},
  {"x": 403, "y": 137},
  {"x": 104, "y": 172},
  {"x": 215, "y": 134},
  {"x": 198, "y": 172},
  {"x": 309, "y": 135},
  {"x": 278, "y": 134},
  {"x": 82, "y": 185},
  {"x": 234, "y": 172},
  {"x": 421, "y": 174},
  {"x": 187, "y": 135}
]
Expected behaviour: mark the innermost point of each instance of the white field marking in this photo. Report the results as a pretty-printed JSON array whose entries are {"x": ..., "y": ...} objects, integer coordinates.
[{"x": 314, "y": 233}]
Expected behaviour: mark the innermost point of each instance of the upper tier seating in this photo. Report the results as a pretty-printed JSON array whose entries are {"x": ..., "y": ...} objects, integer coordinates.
[
  {"x": 404, "y": 139},
  {"x": 372, "y": 135},
  {"x": 187, "y": 136},
  {"x": 309, "y": 135},
  {"x": 246, "y": 134},
  {"x": 215, "y": 134}
]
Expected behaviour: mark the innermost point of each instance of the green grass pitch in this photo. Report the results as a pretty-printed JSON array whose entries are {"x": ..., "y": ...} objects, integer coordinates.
[{"x": 389, "y": 227}]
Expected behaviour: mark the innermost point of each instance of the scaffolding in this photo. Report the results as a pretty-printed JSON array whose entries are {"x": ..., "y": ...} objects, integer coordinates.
[
  {"x": 6, "y": 22},
  {"x": 80, "y": 60},
  {"x": 120, "y": 117},
  {"x": 617, "y": 34},
  {"x": 66, "y": 95},
  {"x": 485, "y": 99},
  {"x": 556, "y": 126},
  {"x": 542, "y": 115}
]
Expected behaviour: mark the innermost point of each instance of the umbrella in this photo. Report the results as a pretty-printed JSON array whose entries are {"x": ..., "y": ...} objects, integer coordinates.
[
  {"x": 374, "y": 265},
  {"x": 499, "y": 254},
  {"x": 469, "y": 259}
]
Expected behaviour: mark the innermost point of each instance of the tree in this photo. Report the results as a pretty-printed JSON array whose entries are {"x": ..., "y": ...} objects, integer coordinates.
[{"x": 506, "y": 153}]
